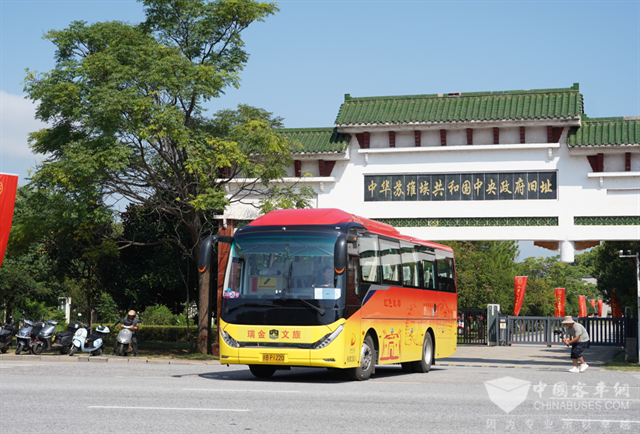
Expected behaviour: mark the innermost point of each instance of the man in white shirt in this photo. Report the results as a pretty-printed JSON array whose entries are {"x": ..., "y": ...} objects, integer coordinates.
[{"x": 579, "y": 339}]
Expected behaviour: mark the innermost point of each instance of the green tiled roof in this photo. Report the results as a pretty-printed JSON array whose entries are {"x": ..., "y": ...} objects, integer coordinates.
[
  {"x": 318, "y": 140},
  {"x": 540, "y": 104},
  {"x": 605, "y": 132}
]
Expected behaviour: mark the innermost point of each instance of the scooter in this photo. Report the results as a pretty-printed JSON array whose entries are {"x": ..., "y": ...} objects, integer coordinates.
[
  {"x": 125, "y": 336},
  {"x": 27, "y": 333},
  {"x": 47, "y": 341},
  {"x": 93, "y": 344},
  {"x": 6, "y": 336}
]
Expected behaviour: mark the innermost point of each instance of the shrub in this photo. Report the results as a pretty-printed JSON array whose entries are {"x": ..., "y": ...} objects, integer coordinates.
[{"x": 158, "y": 315}]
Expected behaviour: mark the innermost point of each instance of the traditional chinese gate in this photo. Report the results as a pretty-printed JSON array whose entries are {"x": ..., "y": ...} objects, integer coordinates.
[
  {"x": 535, "y": 330},
  {"x": 472, "y": 326}
]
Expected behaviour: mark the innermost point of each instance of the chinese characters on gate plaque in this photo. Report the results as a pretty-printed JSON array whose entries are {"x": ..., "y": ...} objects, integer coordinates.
[{"x": 461, "y": 186}]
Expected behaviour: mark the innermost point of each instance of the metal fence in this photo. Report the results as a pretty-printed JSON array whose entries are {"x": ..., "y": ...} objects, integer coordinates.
[
  {"x": 540, "y": 330},
  {"x": 472, "y": 326}
]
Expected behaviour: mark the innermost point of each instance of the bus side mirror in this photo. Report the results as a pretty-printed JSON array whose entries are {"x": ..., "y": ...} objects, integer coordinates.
[
  {"x": 340, "y": 255},
  {"x": 207, "y": 248}
]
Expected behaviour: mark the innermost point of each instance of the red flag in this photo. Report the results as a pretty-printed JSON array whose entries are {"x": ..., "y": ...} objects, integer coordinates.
[
  {"x": 559, "y": 302},
  {"x": 593, "y": 302},
  {"x": 520, "y": 286},
  {"x": 600, "y": 306},
  {"x": 8, "y": 188},
  {"x": 616, "y": 312},
  {"x": 582, "y": 303}
]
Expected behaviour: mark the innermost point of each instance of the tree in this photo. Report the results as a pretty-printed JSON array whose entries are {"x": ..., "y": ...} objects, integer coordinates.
[
  {"x": 546, "y": 274},
  {"x": 126, "y": 109},
  {"x": 485, "y": 272},
  {"x": 615, "y": 274}
]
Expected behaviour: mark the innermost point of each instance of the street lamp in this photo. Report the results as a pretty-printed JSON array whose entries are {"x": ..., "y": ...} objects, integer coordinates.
[{"x": 637, "y": 258}]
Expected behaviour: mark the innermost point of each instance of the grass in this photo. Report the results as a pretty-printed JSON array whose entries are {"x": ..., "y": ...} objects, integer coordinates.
[
  {"x": 619, "y": 364},
  {"x": 157, "y": 350}
]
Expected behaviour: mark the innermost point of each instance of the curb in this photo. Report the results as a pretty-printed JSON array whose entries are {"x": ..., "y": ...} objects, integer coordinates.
[{"x": 100, "y": 359}]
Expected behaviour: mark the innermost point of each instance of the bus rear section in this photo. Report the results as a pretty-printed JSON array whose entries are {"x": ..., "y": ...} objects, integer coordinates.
[{"x": 338, "y": 291}]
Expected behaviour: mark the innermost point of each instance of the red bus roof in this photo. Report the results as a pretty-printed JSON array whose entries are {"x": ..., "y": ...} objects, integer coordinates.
[{"x": 329, "y": 216}]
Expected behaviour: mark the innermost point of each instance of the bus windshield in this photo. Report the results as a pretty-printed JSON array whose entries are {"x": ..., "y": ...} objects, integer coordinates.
[{"x": 272, "y": 266}]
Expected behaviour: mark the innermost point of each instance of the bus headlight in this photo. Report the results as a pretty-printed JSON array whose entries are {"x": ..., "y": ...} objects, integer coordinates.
[
  {"x": 328, "y": 338},
  {"x": 229, "y": 340}
]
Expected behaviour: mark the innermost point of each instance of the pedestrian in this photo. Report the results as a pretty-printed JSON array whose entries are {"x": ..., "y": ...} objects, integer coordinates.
[{"x": 579, "y": 339}]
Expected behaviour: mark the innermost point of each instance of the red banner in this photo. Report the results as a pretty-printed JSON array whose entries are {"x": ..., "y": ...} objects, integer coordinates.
[
  {"x": 559, "y": 302},
  {"x": 8, "y": 187},
  {"x": 600, "y": 306},
  {"x": 520, "y": 286},
  {"x": 582, "y": 304},
  {"x": 616, "y": 311}
]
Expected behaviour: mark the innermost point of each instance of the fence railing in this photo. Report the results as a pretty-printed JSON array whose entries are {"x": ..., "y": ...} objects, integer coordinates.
[
  {"x": 472, "y": 326},
  {"x": 540, "y": 330}
]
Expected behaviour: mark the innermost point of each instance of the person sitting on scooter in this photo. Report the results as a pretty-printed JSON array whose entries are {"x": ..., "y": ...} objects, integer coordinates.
[{"x": 132, "y": 321}]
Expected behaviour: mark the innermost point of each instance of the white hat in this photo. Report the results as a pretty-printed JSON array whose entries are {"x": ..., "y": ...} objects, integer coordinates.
[{"x": 567, "y": 320}]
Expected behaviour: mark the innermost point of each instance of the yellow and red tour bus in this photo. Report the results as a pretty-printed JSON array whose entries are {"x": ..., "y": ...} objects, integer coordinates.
[{"x": 325, "y": 288}]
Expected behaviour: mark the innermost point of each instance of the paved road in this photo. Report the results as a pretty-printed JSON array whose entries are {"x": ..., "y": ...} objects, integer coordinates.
[{"x": 143, "y": 396}]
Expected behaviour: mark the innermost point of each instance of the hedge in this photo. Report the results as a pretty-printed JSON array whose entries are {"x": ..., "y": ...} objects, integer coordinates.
[{"x": 158, "y": 333}]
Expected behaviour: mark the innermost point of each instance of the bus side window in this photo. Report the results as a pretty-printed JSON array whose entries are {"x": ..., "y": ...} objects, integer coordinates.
[
  {"x": 354, "y": 295},
  {"x": 444, "y": 273},
  {"x": 410, "y": 274},
  {"x": 428, "y": 275},
  {"x": 391, "y": 261},
  {"x": 369, "y": 259}
]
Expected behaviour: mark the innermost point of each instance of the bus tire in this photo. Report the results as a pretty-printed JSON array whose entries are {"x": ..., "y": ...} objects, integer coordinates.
[
  {"x": 367, "y": 361},
  {"x": 424, "y": 365},
  {"x": 262, "y": 371}
]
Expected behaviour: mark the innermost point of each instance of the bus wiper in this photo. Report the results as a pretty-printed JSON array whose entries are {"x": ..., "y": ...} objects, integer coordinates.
[
  {"x": 227, "y": 310},
  {"x": 319, "y": 309}
]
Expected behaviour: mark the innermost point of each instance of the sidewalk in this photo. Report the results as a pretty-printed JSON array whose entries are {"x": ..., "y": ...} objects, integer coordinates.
[{"x": 525, "y": 356}]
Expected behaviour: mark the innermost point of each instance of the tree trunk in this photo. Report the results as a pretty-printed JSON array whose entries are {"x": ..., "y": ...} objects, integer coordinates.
[{"x": 204, "y": 284}]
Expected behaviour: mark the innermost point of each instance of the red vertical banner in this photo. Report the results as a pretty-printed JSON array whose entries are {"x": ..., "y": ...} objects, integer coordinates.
[
  {"x": 616, "y": 311},
  {"x": 520, "y": 286},
  {"x": 582, "y": 304},
  {"x": 593, "y": 304},
  {"x": 559, "y": 302},
  {"x": 600, "y": 306},
  {"x": 8, "y": 188}
]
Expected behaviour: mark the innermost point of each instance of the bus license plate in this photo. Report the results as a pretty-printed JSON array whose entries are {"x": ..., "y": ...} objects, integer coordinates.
[{"x": 271, "y": 358}]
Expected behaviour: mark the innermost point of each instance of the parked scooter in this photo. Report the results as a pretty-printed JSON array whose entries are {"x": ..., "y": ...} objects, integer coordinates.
[
  {"x": 47, "y": 341},
  {"x": 6, "y": 335},
  {"x": 26, "y": 334},
  {"x": 93, "y": 344}
]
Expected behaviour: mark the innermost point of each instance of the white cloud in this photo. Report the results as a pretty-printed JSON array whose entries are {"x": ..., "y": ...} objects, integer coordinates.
[{"x": 16, "y": 122}]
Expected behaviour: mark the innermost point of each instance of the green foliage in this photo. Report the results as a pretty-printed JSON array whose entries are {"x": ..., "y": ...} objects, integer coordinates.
[
  {"x": 158, "y": 315},
  {"x": 124, "y": 104},
  {"x": 485, "y": 272},
  {"x": 546, "y": 274},
  {"x": 158, "y": 333},
  {"x": 615, "y": 274}
]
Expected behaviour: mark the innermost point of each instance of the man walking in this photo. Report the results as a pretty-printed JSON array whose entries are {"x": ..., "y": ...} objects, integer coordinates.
[{"x": 579, "y": 339}]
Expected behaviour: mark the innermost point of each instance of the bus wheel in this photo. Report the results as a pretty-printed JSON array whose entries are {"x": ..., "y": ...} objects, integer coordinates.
[
  {"x": 262, "y": 371},
  {"x": 367, "y": 361},
  {"x": 424, "y": 365}
]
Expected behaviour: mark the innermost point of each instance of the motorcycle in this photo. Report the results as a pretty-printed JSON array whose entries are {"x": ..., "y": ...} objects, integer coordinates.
[
  {"x": 27, "y": 333},
  {"x": 6, "y": 336},
  {"x": 125, "y": 336},
  {"x": 47, "y": 341},
  {"x": 93, "y": 344}
]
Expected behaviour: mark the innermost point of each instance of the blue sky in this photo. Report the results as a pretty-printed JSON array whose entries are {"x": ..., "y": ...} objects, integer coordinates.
[{"x": 307, "y": 56}]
